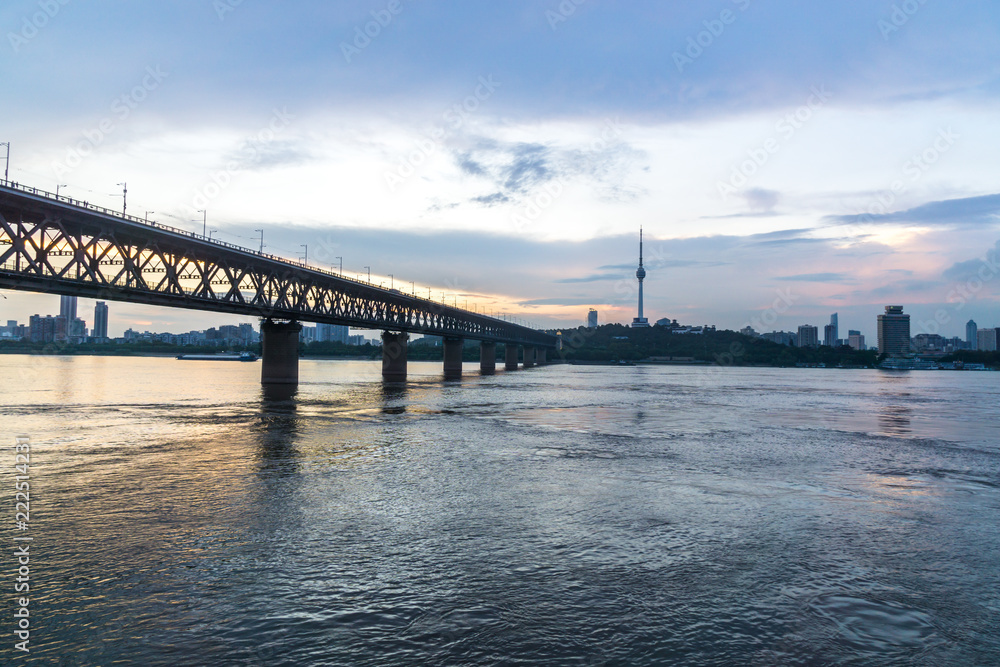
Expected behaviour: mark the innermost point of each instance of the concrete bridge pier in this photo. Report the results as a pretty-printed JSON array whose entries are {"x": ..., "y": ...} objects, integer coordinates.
[
  {"x": 394, "y": 356},
  {"x": 540, "y": 356},
  {"x": 487, "y": 357},
  {"x": 529, "y": 356},
  {"x": 453, "y": 346},
  {"x": 279, "y": 351},
  {"x": 510, "y": 356}
]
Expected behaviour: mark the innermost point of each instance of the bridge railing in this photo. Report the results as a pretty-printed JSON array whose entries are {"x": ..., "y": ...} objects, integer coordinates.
[{"x": 194, "y": 235}]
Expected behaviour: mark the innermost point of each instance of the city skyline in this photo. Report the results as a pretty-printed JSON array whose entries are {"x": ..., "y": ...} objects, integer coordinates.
[{"x": 511, "y": 174}]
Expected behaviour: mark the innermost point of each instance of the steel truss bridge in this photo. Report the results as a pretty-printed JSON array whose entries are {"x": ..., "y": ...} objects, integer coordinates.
[{"x": 59, "y": 245}]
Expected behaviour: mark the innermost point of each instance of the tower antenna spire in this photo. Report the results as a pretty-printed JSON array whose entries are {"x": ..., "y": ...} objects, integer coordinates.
[{"x": 640, "y": 274}]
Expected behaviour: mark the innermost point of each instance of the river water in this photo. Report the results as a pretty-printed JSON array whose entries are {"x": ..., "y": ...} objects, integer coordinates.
[{"x": 565, "y": 515}]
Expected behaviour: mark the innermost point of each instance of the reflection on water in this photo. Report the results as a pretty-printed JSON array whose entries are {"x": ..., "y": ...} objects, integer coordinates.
[
  {"x": 895, "y": 420},
  {"x": 559, "y": 516}
]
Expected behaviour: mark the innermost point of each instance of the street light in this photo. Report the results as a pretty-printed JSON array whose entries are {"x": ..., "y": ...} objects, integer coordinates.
[
  {"x": 341, "y": 265},
  {"x": 204, "y": 221},
  {"x": 261, "y": 240},
  {"x": 124, "y": 195},
  {"x": 212, "y": 231},
  {"x": 369, "y": 273},
  {"x": 6, "y": 169},
  {"x": 305, "y": 256},
  {"x": 63, "y": 185},
  {"x": 147, "y": 213}
]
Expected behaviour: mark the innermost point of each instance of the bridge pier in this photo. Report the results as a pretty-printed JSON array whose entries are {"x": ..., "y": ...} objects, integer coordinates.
[
  {"x": 529, "y": 356},
  {"x": 487, "y": 357},
  {"x": 394, "y": 356},
  {"x": 510, "y": 356},
  {"x": 279, "y": 352},
  {"x": 540, "y": 356},
  {"x": 453, "y": 346}
]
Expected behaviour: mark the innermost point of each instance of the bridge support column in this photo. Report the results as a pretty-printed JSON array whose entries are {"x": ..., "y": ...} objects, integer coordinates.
[
  {"x": 453, "y": 347},
  {"x": 487, "y": 357},
  {"x": 279, "y": 351},
  {"x": 394, "y": 356},
  {"x": 540, "y": 356},
  {"x": 510, "y": 356},
  {"x": 529, "y": 356}
]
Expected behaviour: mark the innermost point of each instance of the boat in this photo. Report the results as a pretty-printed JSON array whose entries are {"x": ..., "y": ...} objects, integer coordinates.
[{"x": 242, "y": 356}]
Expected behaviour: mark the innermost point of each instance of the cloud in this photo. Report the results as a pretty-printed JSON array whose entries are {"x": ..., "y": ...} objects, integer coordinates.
[
  {"x": 818, "y": 278},
  {"x": 562, "y": 301},
  {"x": 945, "y": 212},
  {"x": 906, "y": 287},
  {"x": 256, "y": 155},
  {"x": 591, "y": 278},
  {"x": 761, "y": 199},
  {"x": 517, "y": 170},
  {"x": 984, "y": 267}
]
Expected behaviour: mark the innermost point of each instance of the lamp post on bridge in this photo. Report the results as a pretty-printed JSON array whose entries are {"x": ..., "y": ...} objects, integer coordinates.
[
  {"x": 204, "y": 221},
  {"x": 146, "y": 218},
  {"x": 124, "y": 197},
  {"x": 305, "y": 255},
  {"x": 369, "y": 269},
  {"x": 261, "y": 240},
  {"x": 341, "y": 266},
  {"x": 60, "y": 185},
  {"x": 212, "y": 231},
  {"x": 6, "y": 169}
]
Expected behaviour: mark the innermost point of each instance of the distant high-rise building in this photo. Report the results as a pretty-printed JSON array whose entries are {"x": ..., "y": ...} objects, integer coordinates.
[
  {"x": 781, "y": 337},
  {"x": 592, "y": 319},
  {"x": 894, "y": 332},
  {"x": 970, "y": 334},
  {"x": 67, "y": 308},
  {"x": 640, "y": 273},
  {"x": 100, "y": 321},
  {"x": 77, "y": 330},
  {"x": 856, "y": 340},
  {"x": 42, "y": 329},
  {"x": 987, "y": 340},
  {"x": 830, "y": 335},
  {"x": 808, "y": 336}
]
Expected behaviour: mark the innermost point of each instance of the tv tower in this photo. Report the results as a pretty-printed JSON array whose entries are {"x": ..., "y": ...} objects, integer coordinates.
[{"x": 640, "y": 274}]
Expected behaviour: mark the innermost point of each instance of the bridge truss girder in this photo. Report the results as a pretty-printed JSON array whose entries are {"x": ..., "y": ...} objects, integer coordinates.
[{"x": 51, "y": 247}]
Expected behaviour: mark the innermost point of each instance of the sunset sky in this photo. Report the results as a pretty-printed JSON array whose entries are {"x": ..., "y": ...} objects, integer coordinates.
[{"x": 786, "y": 160}]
